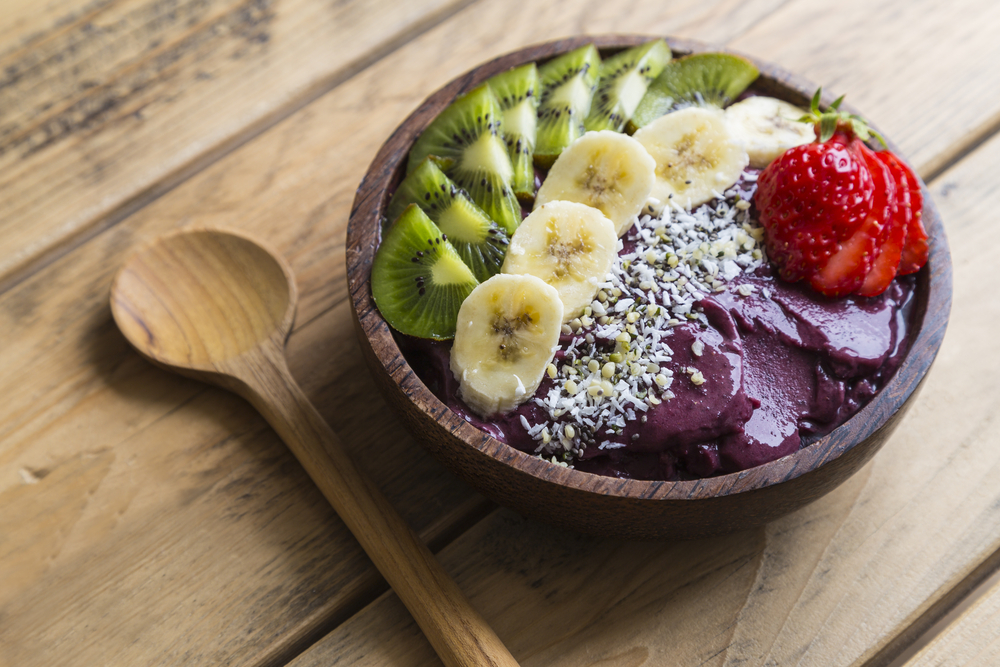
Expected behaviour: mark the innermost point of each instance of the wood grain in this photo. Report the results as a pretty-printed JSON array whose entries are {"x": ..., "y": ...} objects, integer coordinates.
[
  {"x": 845, "y": 581},
  {"x": 970, "y": 641},
  {"x": 108, "y": 104},
  {"x": 149, "y": 521}
]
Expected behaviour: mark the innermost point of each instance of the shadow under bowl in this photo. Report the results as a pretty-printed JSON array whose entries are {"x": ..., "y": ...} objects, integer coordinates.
[{"x": 606, "y": 506}]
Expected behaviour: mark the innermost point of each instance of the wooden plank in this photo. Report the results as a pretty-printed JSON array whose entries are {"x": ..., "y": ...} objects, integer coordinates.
[
  {"x": 108, "y": 103},
  {"x": 846, "y": 581},
  {"x": 154, "y": 521},
  {"x": 971, "y": 640}
]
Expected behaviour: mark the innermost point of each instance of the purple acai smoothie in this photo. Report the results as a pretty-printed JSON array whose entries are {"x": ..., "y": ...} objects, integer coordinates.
[{"x": 695, "y": 359}]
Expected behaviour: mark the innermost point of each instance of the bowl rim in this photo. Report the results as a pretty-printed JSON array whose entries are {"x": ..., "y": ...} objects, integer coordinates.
[{"x": 932, "y": 305}]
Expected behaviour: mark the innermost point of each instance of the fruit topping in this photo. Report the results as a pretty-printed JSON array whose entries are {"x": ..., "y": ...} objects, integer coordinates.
[
  {"x": 703, "y": 79},
  {"x": 517, "y": 92},
  {"x": 696, "y": 156},
  {"x": 568, "y": 245},
  {"x": 634, "y": 327},
  {"x": 468, "y": 136},
  {"x": 910, "y": 205},
  {"x": 812, "y": 199},
  {"x": 767, "y": 127},
  {"x": 622, "y": 83},
  {"x": 838, "y": 215},
  {"x": 833, "y": 208},
  {"x": 418, "y": 280},
  {"x": 480, "y": 242},
  {"x": 567, "y": 84},
  {"x": 508, "y": 331},
  {"x": 609, "y": 171},
  {"x": 889, "y": 241}
]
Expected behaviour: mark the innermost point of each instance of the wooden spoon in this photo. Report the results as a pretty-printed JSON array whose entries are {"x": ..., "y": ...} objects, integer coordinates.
[{"x": 216, "y": 306}]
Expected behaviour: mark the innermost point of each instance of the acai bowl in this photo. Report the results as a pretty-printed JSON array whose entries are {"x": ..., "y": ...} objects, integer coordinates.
[{"x": 563, "y": 494}]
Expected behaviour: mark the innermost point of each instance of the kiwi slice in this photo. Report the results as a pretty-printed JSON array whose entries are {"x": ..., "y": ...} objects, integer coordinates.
[
  {"x": 468, "y": 137},
  {"x": 418, "y": 280},
  {"x": 622, "y": 82},
  {"x": 517, "y": 91},
  {"x": 702, "y": 79},
  {"x": 567, "y": 88},
  {"x": 480, "y": 242}
]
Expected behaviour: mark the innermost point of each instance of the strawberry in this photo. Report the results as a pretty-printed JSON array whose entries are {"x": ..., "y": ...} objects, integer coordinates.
[
  {"x": 838, "y": 214},
  {"x": 811, "y": 200},
  {"x": 889, "y": 244},
  {"x": 915, "y": 246}
]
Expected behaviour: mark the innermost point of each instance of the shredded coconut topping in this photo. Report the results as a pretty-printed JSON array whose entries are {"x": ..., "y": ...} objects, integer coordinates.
[{"x": 613, "y": 370}]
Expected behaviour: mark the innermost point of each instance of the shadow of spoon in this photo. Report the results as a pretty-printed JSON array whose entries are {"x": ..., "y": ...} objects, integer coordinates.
[{"x": 217, "y": 306}]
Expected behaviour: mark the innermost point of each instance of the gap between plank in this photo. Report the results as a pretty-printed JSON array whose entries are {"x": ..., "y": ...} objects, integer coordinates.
[
  {"x": 935, "y": 620},
  {"x": 944, "y": 623},
  {"x": 947, "y": 159},
  {"x": 210, "y": 156}
]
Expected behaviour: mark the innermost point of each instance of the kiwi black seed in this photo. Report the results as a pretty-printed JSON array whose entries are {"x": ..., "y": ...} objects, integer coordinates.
[
  {"x": 622, "y": 82},
  {"x": 468, "y": 137},
  {"x": 418, "y": 280},
  {"x": 567, "y": 88},
  {"x": 479, "y": 241},
  {"x": 702, "y": 79},
  {"x": 517, "y": 92}
]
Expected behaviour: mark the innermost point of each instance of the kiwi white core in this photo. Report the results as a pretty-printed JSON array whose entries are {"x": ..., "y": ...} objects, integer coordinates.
[
  {"x": 630, "y": 92},
  {"x": 458, "y": 225},
  {"x": 521, "y": 120},
  {"x": 574, "y": 94},
  {"x": 449, "y": 270},
  {"x": 488, "y": 151}
]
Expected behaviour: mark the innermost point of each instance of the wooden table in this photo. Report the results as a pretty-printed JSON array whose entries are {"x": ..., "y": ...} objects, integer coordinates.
[{"x": 150, "y": 520}]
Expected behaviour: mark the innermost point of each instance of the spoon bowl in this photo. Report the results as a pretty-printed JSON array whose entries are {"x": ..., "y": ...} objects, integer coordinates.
[
  {"x": 217, "y": 306},
  {"x": 212, "y": 329}
]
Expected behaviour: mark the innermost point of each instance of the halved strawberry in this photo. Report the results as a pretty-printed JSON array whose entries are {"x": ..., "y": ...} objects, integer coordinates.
[
  {"x": 910, "y": 200},
  {"x": 845, "y": 271},
  {"x": 889, "y": 244}
]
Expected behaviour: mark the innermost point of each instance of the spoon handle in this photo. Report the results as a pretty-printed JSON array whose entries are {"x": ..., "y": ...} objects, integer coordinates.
[{"x": 457, "y": 632}]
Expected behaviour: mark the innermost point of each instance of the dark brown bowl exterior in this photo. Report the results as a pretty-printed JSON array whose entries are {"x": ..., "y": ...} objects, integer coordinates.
[{"x": 604, "y": 506}]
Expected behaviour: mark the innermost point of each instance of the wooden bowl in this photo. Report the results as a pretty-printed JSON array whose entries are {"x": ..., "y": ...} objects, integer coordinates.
[{"x": 605, "y": 506}]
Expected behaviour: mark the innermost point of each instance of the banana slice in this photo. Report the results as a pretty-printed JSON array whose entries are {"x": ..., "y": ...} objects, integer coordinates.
[
  {"x": 607, "y": 170},
  {"x": 767, "y": 127},
  {"x": 570, "y": 246},
  {"x": 507, "y": 333},
  {"x": 696, "y": 155}
]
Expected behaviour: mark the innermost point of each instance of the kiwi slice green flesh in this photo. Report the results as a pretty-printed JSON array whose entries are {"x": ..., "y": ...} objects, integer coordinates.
[
  {"x": 468, "y": 136},
  {"x": 702, "y": 79},
  {"x": 480, "y": 242},
  {"x": 622, "y": 83},
  {"x": 567, "y": 88},
  {"x": 517, "y": 92},
  {"x": 418, "y": 280}
]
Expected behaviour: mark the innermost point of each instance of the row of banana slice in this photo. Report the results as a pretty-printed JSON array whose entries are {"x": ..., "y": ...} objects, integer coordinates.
[{"x": 508, "y": 327}]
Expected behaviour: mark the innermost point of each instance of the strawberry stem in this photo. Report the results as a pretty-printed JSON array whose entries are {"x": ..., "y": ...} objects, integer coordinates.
[{"x": 834, "y": 120}]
